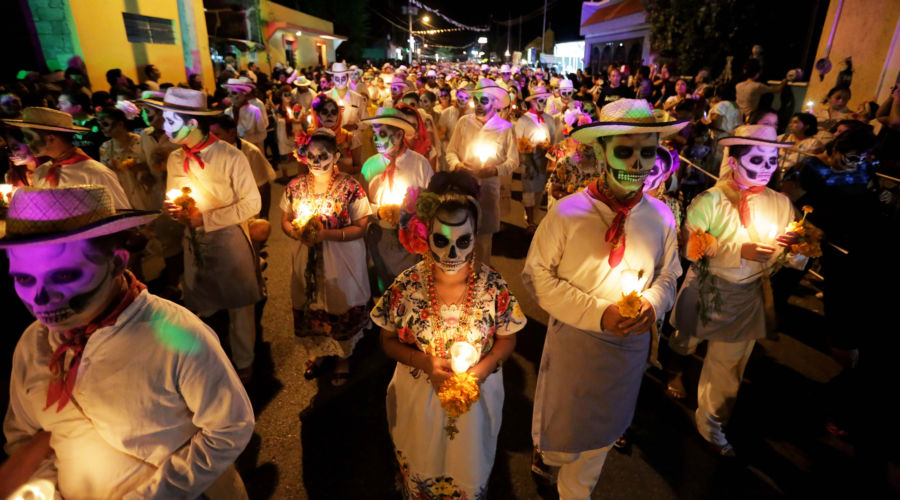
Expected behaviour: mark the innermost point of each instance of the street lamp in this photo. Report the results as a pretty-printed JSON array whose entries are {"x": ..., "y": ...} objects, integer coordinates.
[{"x": 425, "y": 19}]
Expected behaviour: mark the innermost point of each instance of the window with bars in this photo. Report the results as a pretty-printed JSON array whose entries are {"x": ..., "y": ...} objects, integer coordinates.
[{"x": 146, "y": 29}]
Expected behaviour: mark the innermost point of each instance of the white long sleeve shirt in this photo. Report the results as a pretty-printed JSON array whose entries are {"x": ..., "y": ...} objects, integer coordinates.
[
  {"x": 157, "y": 410},
  {"x": 228, "y": 196},
  {"x": 251, "y": 124},
  {"x": 496, "y": 132},
  {"x": 354, "y": 106},
  {"x": 567, "y": 268},
  {"x": 529, "y": 127},
  {"x": 449, "y": 117},
  {"x": 85, "y": 172},
  {"x": 413, "y": 170}
]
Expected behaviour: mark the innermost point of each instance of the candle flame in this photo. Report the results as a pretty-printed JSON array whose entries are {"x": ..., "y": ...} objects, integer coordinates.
[
  {"x": 632, "y": 281},
  {"x": 172, "y": 194},
  {"x": 540, "y": 136},
  {"x": 395, "y": 195},
  {"x": 484, "y": 151},
  {"x": 303, "y": 212}
]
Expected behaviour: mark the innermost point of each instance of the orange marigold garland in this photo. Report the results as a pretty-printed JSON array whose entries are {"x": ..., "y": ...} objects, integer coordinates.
[
  {"x": 630, "y": 305},
  {"x": 708, "y": 300},
  {"x": 457, "y": 395}
]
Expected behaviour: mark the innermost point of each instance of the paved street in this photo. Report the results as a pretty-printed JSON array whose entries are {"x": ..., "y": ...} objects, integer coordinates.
[{"x": 317, "y": 441}]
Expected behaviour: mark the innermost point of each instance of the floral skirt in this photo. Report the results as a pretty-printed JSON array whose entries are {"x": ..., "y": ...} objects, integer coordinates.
[{"x": 433, "y": 466}]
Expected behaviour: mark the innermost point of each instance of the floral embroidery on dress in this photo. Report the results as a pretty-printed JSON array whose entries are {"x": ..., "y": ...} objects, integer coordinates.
[
  {"x": 431, "y": 488},
  {"x": 334, "y": 211},
  {"x": 405, "y": 308}
]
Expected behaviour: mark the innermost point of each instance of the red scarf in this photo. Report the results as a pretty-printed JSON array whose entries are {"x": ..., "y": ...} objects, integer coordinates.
[
  {"x": 63, "y": 382},
  {"x": 191, "y": 153},
  {"x": 746, "y": 193},
  {"x": 77, "y": 155},
  {"x": 615, "y": 235},
  {"x": 391, "y": 168},
  {"x": 538, "y": 117},
  {"x": 420, "y": 143}
]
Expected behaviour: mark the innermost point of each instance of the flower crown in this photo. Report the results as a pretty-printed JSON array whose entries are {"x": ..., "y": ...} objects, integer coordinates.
[{"x": 416, "y": 212}]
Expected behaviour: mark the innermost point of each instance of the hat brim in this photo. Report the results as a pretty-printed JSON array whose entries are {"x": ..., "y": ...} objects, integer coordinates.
[
  {"x": 496, "y": 91},
  {"x": 535, "y": 96},
  {"x": 120, "y": 221},
  {"x": 394, "y": 122},
  {"x": 307, "y": 84},
  {"x": 733, "y": 140},
  {"x": 240, "y": 87},
  {"x": 23, "y": 124},
  {"x": 339, "y": 72},
  {"x": 156, "y": 103},
  {"x": 591, "y": 131}
]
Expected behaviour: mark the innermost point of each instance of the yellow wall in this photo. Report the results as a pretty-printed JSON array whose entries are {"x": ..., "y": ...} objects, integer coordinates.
[
  {"x": 104, "y": 44},
  {"x": 865, "y": 31},
  {"x": 306, "y": 51}
]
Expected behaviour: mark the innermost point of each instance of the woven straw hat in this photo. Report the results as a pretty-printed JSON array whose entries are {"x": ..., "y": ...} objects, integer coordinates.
[
  {"x": 625, "y": 116},
  {"x": 338, "y": 68},
  {"x": 538, "y": 91},
  {"x": 44, "y": 216},
  {"x": 46, "y": 119},
  {"x": 185, "y": 101},
  {"x": 393, "y": 117},
  {"x": 489, "y": 87},
  {"x": 242, "y": 85},
  {"x": 302, "y": 81},
  {"x": 754, "y": 135}
]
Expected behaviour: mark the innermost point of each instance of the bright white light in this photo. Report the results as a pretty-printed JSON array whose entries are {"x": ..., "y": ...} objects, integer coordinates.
[
  {"x": 299, "y": 33},
  {"x": 506, "y": 53},
  {"x": 426, "y": 19},
  {"x": 482, "y": 39}
]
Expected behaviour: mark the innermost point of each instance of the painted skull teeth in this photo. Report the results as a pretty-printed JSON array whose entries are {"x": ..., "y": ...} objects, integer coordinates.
[
  {"x": 623, "y": 176},
  {"x": 54, "y": 316}
]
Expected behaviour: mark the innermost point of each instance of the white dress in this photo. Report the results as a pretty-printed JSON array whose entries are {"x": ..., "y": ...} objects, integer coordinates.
[{"x": 431, "y": 464}]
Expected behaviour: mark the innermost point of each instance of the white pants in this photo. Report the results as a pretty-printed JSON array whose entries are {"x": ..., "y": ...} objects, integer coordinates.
[
  {"x": 242, "y": 335},
  {"x": 578, "y": 472},
  {"x": 483, "y": 246},
  {"x": 720, "y": 380}
]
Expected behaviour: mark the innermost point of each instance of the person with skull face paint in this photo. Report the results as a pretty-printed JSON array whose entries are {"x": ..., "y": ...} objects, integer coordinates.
[
  {"x": 484, "y": 145},
  {"x": 251, "y": 118},
  {"x": 226, "y": 274},
  {"x": 326, "y": 113},
  {"x": 49, "y": 133},
  {"x": 167, "y": 426},
  {"x": 353, "y": 105},
  {"x": 747, "y": 220},
  {"x": 447, "y": 298},
  {"x": 398, "y": 87},
  {"x": 388, "y": 175},
  {"x": 539, "y": 129},
  {"x": 329, "y": 283},
  {"x": 577, "y": 267},
  {"x": 452, "y": 114}
]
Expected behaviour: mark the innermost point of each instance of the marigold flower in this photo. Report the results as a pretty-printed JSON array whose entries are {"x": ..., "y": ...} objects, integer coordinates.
[
  {"x": 389, "y": 213},
  {"x": 630, "y": 305},
  {"x": 459, "y": 393},
  {"x": 524, "y": 145},
  {"x": 698, "y": 244},
  {"x": 807, "y": 209}
]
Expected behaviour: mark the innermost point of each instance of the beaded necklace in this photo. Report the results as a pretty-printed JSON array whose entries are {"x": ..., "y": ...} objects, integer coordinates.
[
  {"x": 325, "y": 196},
  {"x": 442, "y": 341}
]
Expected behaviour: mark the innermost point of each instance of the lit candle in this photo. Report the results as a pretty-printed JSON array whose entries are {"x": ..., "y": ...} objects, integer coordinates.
[
  {"x": 484, "y": 151},
  {"x": 632, "y": 281},
  {"x": 539, "y": 136},
  {"x": 40, "y": 489},
  {"x": 462, "y": 356},
  {"x": 471, "y": 104},
  {"x": 172, "y": 194},
  {"x": 303, "y": 213},
  {"x": 6, "y": 191},
  {"x": 290, "y": 113},
  {"x": 810, "y": 104},
  {"x": 309, "y": 119},
  {"x": 394, "y": 195}
]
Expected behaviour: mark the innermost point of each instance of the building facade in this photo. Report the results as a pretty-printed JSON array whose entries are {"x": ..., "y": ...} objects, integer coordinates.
[{"x": 615, "y": 32}]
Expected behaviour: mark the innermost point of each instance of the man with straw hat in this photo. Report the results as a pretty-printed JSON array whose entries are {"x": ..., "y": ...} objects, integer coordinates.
[
  {"x": 536, "y": 131},
  {"x": 220, "y": 267},
  {"x": 398, "y": 87},
  {"x": 49, "y": 133},
  {"x": 592, "y": 249},
  {"x": 252, "y": 121},
  {"x": 484, "y": 144},
  {"x": 115, "y": 393},
  {"x": 352, "y": 103},
  {"x": 388, "y": 175},
  {"x": 747, "y": 222}
]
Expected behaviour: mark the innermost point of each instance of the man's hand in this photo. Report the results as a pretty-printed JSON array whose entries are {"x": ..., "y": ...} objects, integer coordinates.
[
  {"x": 788, "y": 239},
  {"x": 438, "y": 371},
  {"x": 757, "y": 252},
  {"x": 613, "y": 321},
  {"x": 192, "y": 218}
]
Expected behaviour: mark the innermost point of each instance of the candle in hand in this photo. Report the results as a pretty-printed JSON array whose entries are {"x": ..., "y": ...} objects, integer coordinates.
[
  {"x": 632, "y": 286},
  {"x": 6, "y": 191},
  {"x": 172, "y": 194},
  {"x": 539, "y": 137},
  {"x": 484, "y": 151},
  {"x": 462, "y": 356}
]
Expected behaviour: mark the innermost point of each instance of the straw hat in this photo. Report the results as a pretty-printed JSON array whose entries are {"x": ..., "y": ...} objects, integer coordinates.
[
  {"x": 625, "y": 116},
  {"x": 538, "y": 91},
  {"x": 399, "y": 80},
  {"x": 566, "y": 84},
  {"x": 302, "y": 81},
  {"x": 184, "y": 101},
  {"x": 339, "y": 68},
  {"x": 393, "y": 117},
  {"x": 242, "y": 85},
  {"x": 754, "y": 135},
  {"x": 489, "y": 87},
  {"x": 46, "y": 119},
  {"x": 44, "y": 216}
]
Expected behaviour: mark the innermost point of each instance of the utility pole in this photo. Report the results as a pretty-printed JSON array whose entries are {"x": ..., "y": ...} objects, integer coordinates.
[
  {"x": 409, "y": 12},
  {"x": 509, "y": 22},
  {"x": 543, "y": 31}
]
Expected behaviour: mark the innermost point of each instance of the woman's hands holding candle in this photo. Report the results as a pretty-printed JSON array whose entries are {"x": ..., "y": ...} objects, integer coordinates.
[
  {"x": 438, "y": 370},
  {"x": 191, "y": 218}
]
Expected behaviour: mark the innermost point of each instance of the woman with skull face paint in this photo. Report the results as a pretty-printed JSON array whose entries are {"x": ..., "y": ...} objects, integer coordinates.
[
  {"x": 329, "y": 284},
  {"x": 447, "y": 298},
  {"x": 748, "y": 221},
  {"x": 388, "y": 175},
  {"x": 578, "y": 268},
  {"x": 326, "y": 113},
  {"x": 539, "y": 130}
]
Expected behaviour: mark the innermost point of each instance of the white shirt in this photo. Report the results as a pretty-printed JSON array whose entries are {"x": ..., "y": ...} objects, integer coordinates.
[
  {"x": 251, "y": 124},
  {"x": 497, "y": 133},
  {"x": 228, "y": 195},
  {"x": 527, "y": 126},
  {"x": 770, "y": 212},
  {"x": 85, "y": 172},
  {"x": 162, "y": 412},
  {"x": 354, "y": 106},
  {"x": 413, "y": 169},
  {"x": 568, "y": 270},
  {"x": 449, "y": 117},
  {"x": 262, "y": 170}
]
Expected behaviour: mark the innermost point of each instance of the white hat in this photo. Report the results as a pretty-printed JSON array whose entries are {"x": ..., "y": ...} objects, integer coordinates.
[
  {"x": 185, "y": 101},
  {"x": 46, "y": 119},
  {"x": 625, "y": 116},
  {"x": 566, "y": 84},
  {"x": 339, "y": 68},
  {"x": 505, "y": 69},
  {"x": 754, "y": 135},
  {"x": 393, "y": 117},
  {"x": 239, "y": 85},
  {"x": 488, "y": 86},
  {"x": 538, "y": 91}
]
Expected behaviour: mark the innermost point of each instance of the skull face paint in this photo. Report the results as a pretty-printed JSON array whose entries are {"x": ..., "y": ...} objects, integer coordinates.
[
  {"x": 329, "y": 114},
  {"x": 452, "y": 240},
  {"x": 387, "y": 138},
  {"x": 174, "y": 127},
  {"x": 60, "y": 284},
  {"x": 538, "y": 104},
  {"x": 629, "y": 160},
  {"x": 319, "y": 159},
  {"x": 340, "y": 80},
  {"x": 756, "y": 167},
  {"x": 485, "y": 106},
  {"x": 666, "y": 163}
]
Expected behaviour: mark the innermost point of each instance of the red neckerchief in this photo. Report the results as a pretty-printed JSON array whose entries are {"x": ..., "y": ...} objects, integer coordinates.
[
  {"x": 191, "y": 153},
  {"x": 615, "y": 235},
  {"x": 538, "y": 117},
  {"x": 746, "y": 193},
  {"x": 63, "y": 382},
  {"x": 77, "y": 155},
  {"x": 391, "y": 168},
  {"x": 420, "y": 143}
]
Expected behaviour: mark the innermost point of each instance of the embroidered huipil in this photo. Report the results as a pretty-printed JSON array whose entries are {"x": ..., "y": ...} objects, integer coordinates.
[
  {"x": 164, "y": 427},
  {"x": 227, "y": 176},
  {"x": 85, "y": 172}
]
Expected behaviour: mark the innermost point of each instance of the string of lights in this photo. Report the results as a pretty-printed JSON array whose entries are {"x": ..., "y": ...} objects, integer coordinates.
[
  {"x": 445, "y": 18},
  {"x": 437, "y": 31}
]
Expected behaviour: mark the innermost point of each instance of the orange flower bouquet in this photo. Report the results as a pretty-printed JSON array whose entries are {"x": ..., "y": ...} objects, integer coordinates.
[
  {"x": 525, "y": 146},
  {"x": 457, "y": 395},
  {"x": 389, "y": 214},
  {"x": 188, "y": 205},
  {"x": 698, "y": 245},
  {"x": 810, "y": 243},
  {"x": 630, "y": 304},
  {"x": 127, "y": 164}
]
